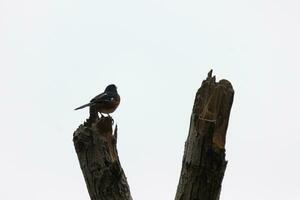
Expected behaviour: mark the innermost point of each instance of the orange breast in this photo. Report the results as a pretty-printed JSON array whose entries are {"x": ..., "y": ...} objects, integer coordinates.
[{"x": 108, "y": 107}]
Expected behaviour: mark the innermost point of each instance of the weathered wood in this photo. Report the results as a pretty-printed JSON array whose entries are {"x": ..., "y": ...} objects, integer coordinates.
[
  {"x": 95, "y": 146},
  {"x": 204, "y": 163}
]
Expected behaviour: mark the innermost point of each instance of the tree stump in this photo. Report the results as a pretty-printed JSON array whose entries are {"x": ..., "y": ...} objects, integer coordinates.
[
  {"x": 204, "y": 163},
  {"x": 96, "y": 149}
]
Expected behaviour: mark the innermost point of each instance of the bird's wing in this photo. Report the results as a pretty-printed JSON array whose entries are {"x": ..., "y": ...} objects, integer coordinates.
[{"x": 101, "y": 98}]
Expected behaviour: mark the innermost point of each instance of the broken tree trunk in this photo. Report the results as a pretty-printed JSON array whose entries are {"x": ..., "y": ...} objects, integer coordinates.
[
  {"x": 95, "y": 146},
  {"x": 204, "y": 163}
]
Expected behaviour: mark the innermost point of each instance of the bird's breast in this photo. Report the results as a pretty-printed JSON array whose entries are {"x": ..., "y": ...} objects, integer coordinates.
[{"x": 108, "y": 107}]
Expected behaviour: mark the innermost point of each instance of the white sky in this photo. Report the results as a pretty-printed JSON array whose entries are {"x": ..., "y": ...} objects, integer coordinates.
[{"x": 56, "y": 55}]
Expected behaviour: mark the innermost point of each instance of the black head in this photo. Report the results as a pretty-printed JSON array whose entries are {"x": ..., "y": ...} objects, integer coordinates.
[{"x": 111, "y": 88}]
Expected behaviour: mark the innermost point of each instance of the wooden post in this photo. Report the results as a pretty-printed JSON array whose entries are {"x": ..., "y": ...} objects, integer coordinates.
[{"x": 204, "y": 163}]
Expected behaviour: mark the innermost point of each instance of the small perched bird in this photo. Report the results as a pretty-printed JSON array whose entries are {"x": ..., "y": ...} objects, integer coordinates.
[{"x": 106, "y": 102}]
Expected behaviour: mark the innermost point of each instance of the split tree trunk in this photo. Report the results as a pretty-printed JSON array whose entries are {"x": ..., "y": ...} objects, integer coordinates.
[{"x": 203, "y": 163}]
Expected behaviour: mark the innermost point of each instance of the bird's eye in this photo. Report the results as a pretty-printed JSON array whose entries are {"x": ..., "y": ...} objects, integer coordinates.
[{"x": 112, "y": 99}]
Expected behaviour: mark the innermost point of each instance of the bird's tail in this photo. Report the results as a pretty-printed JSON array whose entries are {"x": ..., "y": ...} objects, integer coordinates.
[{"x": 83, "y": 106}]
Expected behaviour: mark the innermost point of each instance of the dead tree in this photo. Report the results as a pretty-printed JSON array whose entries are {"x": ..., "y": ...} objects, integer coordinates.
[
  {"x": 95, "y": 145},
  {"x": 203, "y": 164}
]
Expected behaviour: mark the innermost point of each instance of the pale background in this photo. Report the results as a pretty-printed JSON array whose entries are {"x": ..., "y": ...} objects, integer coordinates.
[{"x": 56, "y": 55}]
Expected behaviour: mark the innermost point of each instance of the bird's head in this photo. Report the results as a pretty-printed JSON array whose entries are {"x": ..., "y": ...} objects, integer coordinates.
[{"x": 111, "y": 88}]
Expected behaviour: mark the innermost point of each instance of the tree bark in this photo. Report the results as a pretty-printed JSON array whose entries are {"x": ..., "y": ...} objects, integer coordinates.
[
  {"x": 204, "y": 163},
  {"x": 95, "y": 146}
]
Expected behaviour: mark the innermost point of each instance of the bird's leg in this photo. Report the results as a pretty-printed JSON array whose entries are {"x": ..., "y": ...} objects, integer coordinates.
[{"x": 112, "y": 120}]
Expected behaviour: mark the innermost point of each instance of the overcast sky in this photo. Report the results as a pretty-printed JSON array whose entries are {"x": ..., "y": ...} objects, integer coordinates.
[{"x": 56, "y": 55}]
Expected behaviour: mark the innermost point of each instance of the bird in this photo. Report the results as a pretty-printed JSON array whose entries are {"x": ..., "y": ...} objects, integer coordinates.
[{"x": 106, "y": 102}]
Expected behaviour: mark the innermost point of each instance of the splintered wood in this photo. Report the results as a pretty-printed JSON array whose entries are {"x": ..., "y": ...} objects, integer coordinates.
[{"x": 204, "y": 161}]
